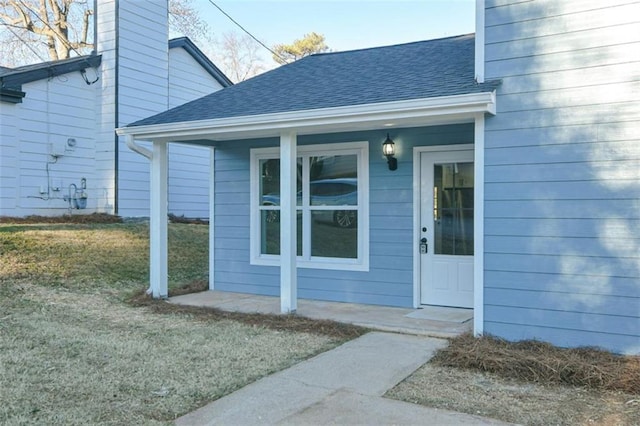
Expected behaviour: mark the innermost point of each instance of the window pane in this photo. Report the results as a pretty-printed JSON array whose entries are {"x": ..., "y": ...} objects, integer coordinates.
[
  {"x": 270, "y": 238},
  {"x": 453, "y": 208},
  {"x": 334, "y": 233},
  {"x": 270, "y": 182},
  {"x": 333, "y": 180},
  {"x": 270, "y": 226}
]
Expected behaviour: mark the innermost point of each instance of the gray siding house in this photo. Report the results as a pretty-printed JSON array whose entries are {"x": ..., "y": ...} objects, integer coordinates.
[
  {"x": 513, "y": 187},
  {"x": 58, "y": 120}
]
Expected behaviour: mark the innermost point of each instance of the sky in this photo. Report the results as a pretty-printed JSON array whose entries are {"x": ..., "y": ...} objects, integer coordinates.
[{"x": 346, "y": 24}]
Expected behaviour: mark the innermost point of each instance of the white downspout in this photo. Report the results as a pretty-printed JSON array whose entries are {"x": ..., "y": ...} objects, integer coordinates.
[{"x": 131, "y": 143}]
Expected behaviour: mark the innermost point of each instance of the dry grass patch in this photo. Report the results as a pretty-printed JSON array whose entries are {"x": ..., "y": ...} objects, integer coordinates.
[
  {"x": 528, "y": 382},
  {"x": 73, "y": 352},
  {"x": 78, "y": 358}
]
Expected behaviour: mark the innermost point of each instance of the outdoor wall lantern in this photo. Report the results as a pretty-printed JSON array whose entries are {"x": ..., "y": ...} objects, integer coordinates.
[{"x": 389, "y": 150}]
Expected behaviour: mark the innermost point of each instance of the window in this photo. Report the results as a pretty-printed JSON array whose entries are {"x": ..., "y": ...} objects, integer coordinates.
[
  {"x": 453, "y": 208},
  {"x": 332, "y": 206}
]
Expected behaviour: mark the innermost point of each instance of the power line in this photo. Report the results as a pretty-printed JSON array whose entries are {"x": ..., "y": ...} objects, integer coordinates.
[{"x": 246, "y": 31}]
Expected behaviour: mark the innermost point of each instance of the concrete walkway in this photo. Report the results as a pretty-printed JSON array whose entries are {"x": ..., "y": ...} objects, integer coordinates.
[{"x": 343, "y": 386}]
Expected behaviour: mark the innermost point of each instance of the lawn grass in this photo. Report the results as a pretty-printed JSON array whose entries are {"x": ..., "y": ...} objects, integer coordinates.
[
  {"x": 105, "y": 256},
  {"x": 74, "y": 349}
]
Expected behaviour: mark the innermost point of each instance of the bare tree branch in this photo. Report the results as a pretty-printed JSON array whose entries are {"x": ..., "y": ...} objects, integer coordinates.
[
  {"x": 238, "y": 56},
  {"x": 85, "y": 26},
  {"x": 60, "y": 26}
]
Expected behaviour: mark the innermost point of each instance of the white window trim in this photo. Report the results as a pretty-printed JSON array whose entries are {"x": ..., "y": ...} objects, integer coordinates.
[{"x": 361, "y": 263}]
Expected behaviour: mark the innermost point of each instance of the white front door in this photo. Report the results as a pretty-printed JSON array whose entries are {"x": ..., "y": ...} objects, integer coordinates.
[{"x": 446, "y": 228}]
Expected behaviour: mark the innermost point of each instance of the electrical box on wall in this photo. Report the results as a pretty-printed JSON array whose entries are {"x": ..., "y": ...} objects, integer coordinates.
[
  {"x": 70, "y": 145},
  {"x": 56, "y": 149},
  {"x": 62, "y": 147}
]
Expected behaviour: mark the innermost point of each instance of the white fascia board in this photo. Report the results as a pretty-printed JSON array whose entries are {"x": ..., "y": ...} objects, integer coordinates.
[{"x": 458, "y": 108}]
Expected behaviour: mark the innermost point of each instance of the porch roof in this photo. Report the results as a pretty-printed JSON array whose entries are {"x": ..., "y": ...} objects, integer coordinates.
[{"x": 442, "y": 68}]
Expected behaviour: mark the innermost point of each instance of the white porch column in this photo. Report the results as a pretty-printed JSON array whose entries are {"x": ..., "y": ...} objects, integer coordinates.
[
  {"x": 212, "y": 205},
  {"x": 288, "y": 217},
  {"x": 158, "y": 222}
]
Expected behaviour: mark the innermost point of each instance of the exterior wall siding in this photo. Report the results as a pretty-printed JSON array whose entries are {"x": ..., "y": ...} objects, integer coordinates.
[
  {"x": 153, "y": 79},
  {"x": 145, "y": 79},
  {"x": 389, "y": 280},
  {"x": 8, "y": 159},
  {"x": 143, "y": 90},
  {"x": 105, "y": 106},
  {"x": 33, "y": 182},
  {"x": 189, "y": 165},
  {"x": 187, "y": 79},
  {"x": 562, "y": 175}
]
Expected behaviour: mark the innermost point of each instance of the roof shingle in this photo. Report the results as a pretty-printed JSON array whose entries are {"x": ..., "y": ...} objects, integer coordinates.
[{"x": 425, "y": 69}]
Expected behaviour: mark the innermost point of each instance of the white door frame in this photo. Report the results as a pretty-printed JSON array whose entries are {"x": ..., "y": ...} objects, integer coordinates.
[{"x": 478, "y": 221}]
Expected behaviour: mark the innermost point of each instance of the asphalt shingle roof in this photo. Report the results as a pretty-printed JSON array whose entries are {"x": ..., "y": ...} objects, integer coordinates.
[{"x": 424, "y": 69}]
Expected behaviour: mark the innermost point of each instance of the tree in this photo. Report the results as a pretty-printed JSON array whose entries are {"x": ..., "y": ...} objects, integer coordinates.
[
  {"x": 309, "y": 44},
  {"x": 238, "y": 55},
  {"x": 55, "y": 28},
  {"x": 61, "y": 25}
]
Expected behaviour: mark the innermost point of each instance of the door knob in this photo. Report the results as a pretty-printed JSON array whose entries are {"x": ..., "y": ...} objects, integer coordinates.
[{"x": 423, "y": 246}]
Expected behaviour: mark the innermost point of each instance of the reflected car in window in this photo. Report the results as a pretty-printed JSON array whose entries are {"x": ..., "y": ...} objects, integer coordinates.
[{"x": 325, "y": 192}]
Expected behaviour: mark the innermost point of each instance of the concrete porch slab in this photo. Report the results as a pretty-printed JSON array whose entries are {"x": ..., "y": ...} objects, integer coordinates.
[
  {"x": 383, "y": 318},
  {"x": 442, "y": 313}
]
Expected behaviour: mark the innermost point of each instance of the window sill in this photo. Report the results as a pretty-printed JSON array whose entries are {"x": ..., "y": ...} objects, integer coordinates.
[{"x": 316, "y": 263}]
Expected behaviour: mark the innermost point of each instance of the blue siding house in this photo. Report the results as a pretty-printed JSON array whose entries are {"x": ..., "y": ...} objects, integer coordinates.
[{"x": 498, "y": 171}]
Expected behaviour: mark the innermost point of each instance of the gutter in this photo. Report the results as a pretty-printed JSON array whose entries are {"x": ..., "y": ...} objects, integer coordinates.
[{"x": 397, "y": 112}]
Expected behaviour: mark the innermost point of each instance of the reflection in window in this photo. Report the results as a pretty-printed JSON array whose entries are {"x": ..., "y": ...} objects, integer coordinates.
[
  {"x": 333, "y": 181},
  {"x": 453, "y": 208},
  {"x": 329, "y": 240},
  {"x": 270, "y": 181},
  {"x": 327, "y": 203},
  {"x": 270, "y": 232}
]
